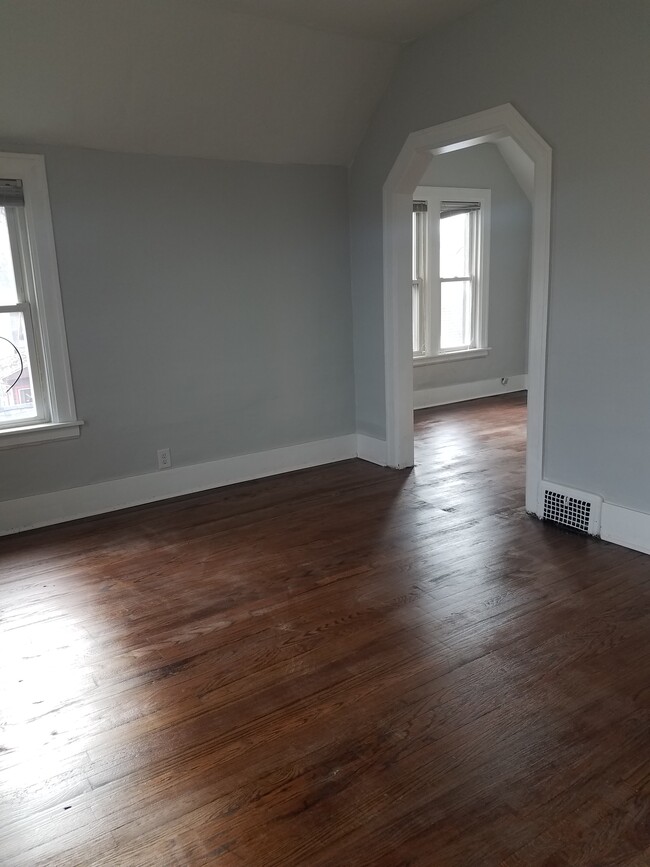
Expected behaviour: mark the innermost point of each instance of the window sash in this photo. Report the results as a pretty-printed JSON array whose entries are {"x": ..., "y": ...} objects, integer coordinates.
[
  {"x": 42, "y": 292},
  {"x": 419, "y": 346},
  {"x": 19, "y": 242},
  {"x": 467, "y": 326},
  {"x": 418, "y": 282},
  {"x": 471, "y": 301},
  {"x": 41, "y": 405},
  {"x": 17, "y": 231}
]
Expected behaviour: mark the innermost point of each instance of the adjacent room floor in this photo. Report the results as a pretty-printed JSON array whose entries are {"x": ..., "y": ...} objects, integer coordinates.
[{"x": 341, "y": 666}]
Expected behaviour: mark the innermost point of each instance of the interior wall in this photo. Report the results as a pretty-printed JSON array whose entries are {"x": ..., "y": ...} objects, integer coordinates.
[
  {"x": 583, "y": 95},
  {"x": 483, "y": 167},
  {"x": 207, "y": 307}
]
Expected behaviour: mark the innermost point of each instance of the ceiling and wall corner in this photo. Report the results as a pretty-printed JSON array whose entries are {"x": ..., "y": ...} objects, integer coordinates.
[
  {"x": 278, "y": 81},
  {"x": 197, "y": 155},
  {"x": 393, "y": 21}
]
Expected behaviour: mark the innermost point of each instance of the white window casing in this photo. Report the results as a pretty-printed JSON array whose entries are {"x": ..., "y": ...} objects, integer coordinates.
[
  {"x": 476, "y": 202},
  {"x": 29, "y": 225}
]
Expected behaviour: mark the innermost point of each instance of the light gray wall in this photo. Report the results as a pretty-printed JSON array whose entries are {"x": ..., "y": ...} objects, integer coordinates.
[
  {"x": 207, "y": 307},
  {"x": 483, "y": 167},
  {"x": 580, "y": 73}
]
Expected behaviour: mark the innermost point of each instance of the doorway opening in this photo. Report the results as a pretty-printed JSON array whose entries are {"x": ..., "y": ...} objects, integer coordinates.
[{"x": 502, "y": 124}]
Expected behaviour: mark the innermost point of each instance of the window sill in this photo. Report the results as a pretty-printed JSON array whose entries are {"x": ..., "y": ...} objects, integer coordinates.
[
  {"x": 39, "y": 433},
  {"x": 450, "y": 356}
]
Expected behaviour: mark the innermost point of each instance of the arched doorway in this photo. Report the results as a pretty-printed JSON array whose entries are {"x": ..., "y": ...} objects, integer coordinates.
[{"x": 419, "y": 149}]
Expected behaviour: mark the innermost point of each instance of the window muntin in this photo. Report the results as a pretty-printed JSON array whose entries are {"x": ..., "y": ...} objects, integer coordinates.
[{"x": 450, "y": 296}]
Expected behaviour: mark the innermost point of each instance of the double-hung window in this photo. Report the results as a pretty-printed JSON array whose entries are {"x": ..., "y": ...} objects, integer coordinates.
[
  {"x": 36, "y": 400},
  {"x": 450, "y": 273}
]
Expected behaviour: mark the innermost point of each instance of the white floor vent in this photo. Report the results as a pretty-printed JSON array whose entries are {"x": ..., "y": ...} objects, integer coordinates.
[{"x": 574, "y": 510}]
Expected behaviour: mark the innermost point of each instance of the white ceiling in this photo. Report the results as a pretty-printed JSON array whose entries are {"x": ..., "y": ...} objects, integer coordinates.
[
  {"x": 194, "y": 78},
  {"x": 386, "y": 20}
]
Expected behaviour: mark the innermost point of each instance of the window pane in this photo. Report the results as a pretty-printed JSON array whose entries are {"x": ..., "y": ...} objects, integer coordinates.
[
  {"x": 8, "y": 294},
  {"x": 455, "y": 246},
  {"x": 455, "y": 314},
  {"x": 16, "y": 383},
  {"x": 418, "y": 318},
  {"x": 414, "y": 251},
  {"x": 419, "y": 229}
]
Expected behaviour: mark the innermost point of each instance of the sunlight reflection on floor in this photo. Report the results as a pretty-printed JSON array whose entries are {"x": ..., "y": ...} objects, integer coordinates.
[{"x": 45, "y": 672}]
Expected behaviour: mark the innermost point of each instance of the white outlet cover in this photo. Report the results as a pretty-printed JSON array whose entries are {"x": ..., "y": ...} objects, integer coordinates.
[{"x": 164, "y": 459}]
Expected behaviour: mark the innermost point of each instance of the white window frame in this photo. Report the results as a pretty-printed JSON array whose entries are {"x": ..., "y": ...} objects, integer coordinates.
[
  {"x": 32, "y": 228},
  {"x": 479, "y": 348}
]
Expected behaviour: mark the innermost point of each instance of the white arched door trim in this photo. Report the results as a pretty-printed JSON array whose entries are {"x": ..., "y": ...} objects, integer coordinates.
[{"x": 419, "y": 149}]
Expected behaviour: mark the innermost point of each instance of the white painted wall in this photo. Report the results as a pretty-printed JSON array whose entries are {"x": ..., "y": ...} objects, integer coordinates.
[
  {"x": 483, "y": 167},
  {"x": 583, "y": 96},
  {"x": 207, "y": 308}
]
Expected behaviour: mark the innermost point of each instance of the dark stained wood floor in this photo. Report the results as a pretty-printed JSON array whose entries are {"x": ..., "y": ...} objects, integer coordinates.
[{"x": 341, "y": 666}]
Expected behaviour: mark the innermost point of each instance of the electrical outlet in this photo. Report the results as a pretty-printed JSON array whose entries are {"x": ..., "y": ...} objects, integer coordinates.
[{"x": 164, "y": 459}]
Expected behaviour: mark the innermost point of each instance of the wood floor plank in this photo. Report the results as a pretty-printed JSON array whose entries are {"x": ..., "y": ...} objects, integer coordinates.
[{"x": 342, "y": 666}]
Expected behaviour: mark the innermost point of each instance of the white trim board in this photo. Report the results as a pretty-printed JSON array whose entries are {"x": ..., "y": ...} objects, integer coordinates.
[
  {"x": 444, "y": 394},
  {"x": 371, "y": 449},
  {"x": 625, "y": 527},
  {"x": 41, "y": 510}
]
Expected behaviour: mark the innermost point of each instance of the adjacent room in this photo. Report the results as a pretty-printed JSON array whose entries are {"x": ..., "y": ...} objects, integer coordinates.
[
  {"x": 324, "y": 496},
  {"x": 471, "y": 259}
]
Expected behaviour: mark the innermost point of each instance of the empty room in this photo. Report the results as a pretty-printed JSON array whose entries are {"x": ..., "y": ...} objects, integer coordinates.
[{"x": 324, "y": 491}]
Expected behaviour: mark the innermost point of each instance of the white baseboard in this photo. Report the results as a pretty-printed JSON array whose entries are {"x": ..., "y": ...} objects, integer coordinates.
[
  {"x": 371, "y": 449},
  {"x": 67, "y": 505},
  {"x": 427, "y": 397},
  {"x": 625, "y": 527}
]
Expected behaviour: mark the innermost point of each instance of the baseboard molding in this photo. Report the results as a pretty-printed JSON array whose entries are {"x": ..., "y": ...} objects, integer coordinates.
[
  {"x": 427, "y": 397},
  {"x": 619, "y": 525},
  {"x": 625, "y": 527},
  {"x": 42, "y": 510},
  {"x": 371, "y": 449}
]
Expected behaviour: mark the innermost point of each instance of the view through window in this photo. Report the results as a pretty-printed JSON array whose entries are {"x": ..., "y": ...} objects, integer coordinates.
[
  {"x": 17, "y": 363},
  {"x": 448, "y": 279}
]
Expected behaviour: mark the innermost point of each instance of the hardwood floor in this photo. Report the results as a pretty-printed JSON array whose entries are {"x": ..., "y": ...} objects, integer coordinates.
[{"x": 341, "y": 666}]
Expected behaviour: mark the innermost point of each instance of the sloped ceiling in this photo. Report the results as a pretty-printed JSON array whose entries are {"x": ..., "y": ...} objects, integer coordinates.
[
  {"x": 286, "y": 81},
  {"x": 386, "y": 20}
]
